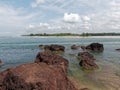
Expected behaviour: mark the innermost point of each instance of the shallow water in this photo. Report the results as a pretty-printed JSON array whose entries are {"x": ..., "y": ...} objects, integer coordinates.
[{"x": 18, "y": 50}]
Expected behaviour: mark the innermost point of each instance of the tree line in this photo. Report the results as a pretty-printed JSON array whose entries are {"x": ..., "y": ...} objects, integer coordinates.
[{"x": 72, "y": 34}]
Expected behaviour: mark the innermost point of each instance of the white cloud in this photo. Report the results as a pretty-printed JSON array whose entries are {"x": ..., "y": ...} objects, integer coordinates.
[
  {"x": 86, "y": 18},
  {"x": 71, "y": 18},
  {"x": 44, "y": 25},
  {"x": 38, "y": 26},
  {"x": 37, "y": 2},
  {"x": 30, "y": 26}
]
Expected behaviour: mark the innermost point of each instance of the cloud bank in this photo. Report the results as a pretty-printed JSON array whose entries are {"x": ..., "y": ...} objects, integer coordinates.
[{"x": 59, "y": 16}]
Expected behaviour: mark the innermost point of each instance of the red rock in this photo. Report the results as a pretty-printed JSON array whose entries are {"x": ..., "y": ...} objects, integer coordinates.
[
  {"x": 52, "y": 59},
  {"x": 54, "y": 47},
  {"x": 35, "y": 76},
  {"x": 95, "y": 47},
  {"x": 87, "y": 61}
]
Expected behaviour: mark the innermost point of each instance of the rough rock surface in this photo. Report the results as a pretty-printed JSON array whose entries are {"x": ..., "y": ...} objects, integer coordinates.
[
  {"x": 87, "y": 61},
  {"x": 35, "y": 76},
  {"x": 84, "y": 89},
  {"x": 95, "y": 47},
  {"x": 52, "y": 59},
  {"x": 54, "y": 47},
  {"x": 74, "y": 47}
]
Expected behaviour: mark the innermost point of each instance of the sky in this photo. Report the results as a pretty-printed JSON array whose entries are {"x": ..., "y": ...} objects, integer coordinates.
[{"x": 19, "y": 17}]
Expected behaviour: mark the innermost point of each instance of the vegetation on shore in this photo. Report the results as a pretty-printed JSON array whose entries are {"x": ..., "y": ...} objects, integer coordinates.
[{"x": 72, "y": 34}]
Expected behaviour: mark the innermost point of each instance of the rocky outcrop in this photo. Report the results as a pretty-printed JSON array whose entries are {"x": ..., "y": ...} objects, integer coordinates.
[
  {"x": 74, "y": 47},
  {"x": 35, "y": 76},
  {"x": 87, "y": 61},
  {"x": 95, "y": 47},
  {"x": 54, "y": 47},
  {"x": 52, "y": 59}
]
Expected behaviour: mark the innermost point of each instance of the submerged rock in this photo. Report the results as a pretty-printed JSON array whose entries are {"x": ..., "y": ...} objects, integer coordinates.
[
  {"x": 74, "y": 47},
  {"x": 95, "y": 47},
  {"x": 87, "y": 61},
  {"x": 35, "y": 76},
  {"x": 54, "y": 47},
  {"x": 86, "y": 55},
  {"x": 52, "y": 59}
]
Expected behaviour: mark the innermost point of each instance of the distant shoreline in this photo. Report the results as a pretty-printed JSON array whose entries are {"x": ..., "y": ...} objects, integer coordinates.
[{"x": 73, "y": 34}]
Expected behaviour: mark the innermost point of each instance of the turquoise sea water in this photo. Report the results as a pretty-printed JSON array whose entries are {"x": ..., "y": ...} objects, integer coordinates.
[{"x": 18, "y": 50}]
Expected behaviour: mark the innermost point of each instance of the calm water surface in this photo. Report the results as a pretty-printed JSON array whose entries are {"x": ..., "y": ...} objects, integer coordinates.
[{"x": 18, "y": 50}]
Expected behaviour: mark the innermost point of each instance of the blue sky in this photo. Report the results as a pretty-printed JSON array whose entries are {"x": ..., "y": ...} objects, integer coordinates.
[{"x": 54, "y": 16}]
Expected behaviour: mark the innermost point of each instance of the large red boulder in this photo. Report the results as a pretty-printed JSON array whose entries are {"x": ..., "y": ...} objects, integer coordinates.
[
  {"x": 87, "y": 61},
  {"x": 52, "y": 59},
  {"x": 35, "y": 76}
]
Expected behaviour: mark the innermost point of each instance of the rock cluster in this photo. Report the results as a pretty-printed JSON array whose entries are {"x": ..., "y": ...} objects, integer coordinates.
[
  {"x": 87, "y": 61},
  {"x": 48, "y": 73}
]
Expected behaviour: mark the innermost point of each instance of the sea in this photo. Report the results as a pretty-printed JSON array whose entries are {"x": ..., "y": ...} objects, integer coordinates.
[{"x": 17, "y": 50}]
